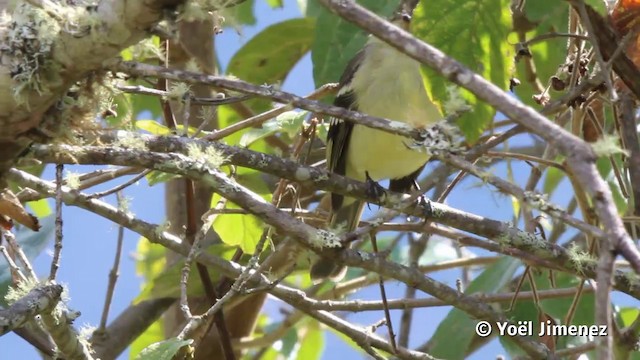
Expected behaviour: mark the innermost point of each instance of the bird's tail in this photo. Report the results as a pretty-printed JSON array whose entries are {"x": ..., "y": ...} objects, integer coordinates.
[{"x": 342, "y": 221}]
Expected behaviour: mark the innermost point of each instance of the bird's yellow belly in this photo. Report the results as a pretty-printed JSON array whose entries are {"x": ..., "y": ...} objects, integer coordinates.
[{"x": 383, "y": 155}]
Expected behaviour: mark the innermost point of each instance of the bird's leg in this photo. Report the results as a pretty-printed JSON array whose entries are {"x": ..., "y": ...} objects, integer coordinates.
[
  {"x": 425, "y": 203},
  {"x": 374, "y": 190}
]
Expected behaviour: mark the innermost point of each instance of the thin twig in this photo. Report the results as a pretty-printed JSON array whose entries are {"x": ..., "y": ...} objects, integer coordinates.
[
  {"x": 256, "y": 120},
  {"x": 16, "y": 273},
  {"x": 383, "y": 296},
  {"x": 120, "y": 187},
  {"x": 138, "y": 89},
  {"x": 113, "y": 273},
  {"x": 16, "y": 249},
  {"x": 57, "y": 248}
]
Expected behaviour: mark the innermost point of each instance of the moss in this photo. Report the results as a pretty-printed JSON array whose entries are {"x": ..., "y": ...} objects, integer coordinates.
[
  {"x": 29, "y": 35},
  {"x": 209, "y": 156},
  {"x": 325, "y": 239}
]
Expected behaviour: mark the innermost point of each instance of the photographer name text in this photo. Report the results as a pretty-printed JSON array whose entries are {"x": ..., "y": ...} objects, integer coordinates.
[{"x": 547, "y": 328}]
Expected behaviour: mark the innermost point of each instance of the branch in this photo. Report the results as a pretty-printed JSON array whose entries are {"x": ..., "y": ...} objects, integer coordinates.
[
  {"x": 503, "y": 233},
  {"x": 130, "y": 324},
  {"x": 59, "y": 51},
  {"x": 233, "y": 270},
  {"x": 267, "y": 92},
  {"x": 41, "y": 299}
]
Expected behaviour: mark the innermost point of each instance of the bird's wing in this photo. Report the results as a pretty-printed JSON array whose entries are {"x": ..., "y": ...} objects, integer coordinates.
[{"x": 339, "y": 133}]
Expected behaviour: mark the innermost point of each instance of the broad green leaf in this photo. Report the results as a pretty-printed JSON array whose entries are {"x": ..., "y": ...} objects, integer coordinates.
[
  {"x": 122, "y": 104},
  {"x": 604, "y": 167},
  {"x": 289, "y": 341},
  {"x": 153, "y": 334},
  {"x": 144, "y": 51},
  {"x": 32, "y": 243},
  {"x": 142, "y": 103},
  {"x": 239, "y": 230},
  {"x": 166, "y": 281},
  {"x": 475, "y": 33},
  {"x": 337, "y": 41},
  {"x": 157, "y": 177},
  {"x": 153, "y": 127},
  {"x": 455, "y": 333},
  {"x": 552, "y": 179},
  {"x": 628, "y": 315},
  {"x": 40, "y": 208},
  {"x": 545, "y": 16},
  {"x": 163, "y": 350},
  {"x": 312, "y": 343},
  {"x": 238, "y": 15},
  {"x": 267, "y": 59},
  {"x": 269, "y": 56},
  {"x": 150, "y": 259},
  {"x": 618, "y": 199},
  {"x": 167, "y": 284},
  {"x": 515, "y": 204},
  {"x": 288, "y": 122},
  {"x": 275, "y": 3}
]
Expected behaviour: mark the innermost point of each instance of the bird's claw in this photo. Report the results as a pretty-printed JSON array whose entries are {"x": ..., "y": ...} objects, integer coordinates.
[
  {"x": 425, "y": 203},
  {"x": 374, "y": 190}
]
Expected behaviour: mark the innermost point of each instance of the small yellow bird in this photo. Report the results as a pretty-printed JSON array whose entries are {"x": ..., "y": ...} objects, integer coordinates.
[{"x": 379, "y": 81}]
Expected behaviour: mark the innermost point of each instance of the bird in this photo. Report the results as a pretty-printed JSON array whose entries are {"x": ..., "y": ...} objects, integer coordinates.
[{"x": 383, "y": 82}]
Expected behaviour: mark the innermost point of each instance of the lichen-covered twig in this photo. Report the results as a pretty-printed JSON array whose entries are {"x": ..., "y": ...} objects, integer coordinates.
[{"x": 42, "y": 298}]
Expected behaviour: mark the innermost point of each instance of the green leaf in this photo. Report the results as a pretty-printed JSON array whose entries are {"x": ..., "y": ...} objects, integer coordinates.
[
  {"x": 628, "y": 315},
  {"x": 163, "y": 350},
  {"x": 267, "y": 59},
  {"x": 545, "y": 16},
  {"x": 40, "y": 208},
  {"x": 141, "y": 103},
  {"x": 289, "y": 341},
  {"x": 153, "y": 127},
  {"x": 275, "y": 3},
  {"x": 239, "y": 230},
  {"x": 165, "y": 282},
  {"x": 312, "y": 344},
  {"x": 620, "y": 201},
  {"x": 32, "y": 243},
  {"x": 288, "y": 122},
  {"x": 552, "y": 179},
  {"x": 238, "y": 15},
  {"x": 269, "y": 56},
  {"x": 150, "y": 259},
  {"x": 337, "y": 41},
  {"x": 158, "y": 177},
  {"x": 475, "y": 33},
  {"x": 153, "y": 334},
  {"x": 455, "y": 333},
  {"x": 123, "y": 106}
]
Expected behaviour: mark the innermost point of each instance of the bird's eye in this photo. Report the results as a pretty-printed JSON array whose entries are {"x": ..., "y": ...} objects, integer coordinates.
[{"x": 406, "y": 18}]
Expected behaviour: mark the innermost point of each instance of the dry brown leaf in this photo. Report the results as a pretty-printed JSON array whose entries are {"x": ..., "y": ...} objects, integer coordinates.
[{"x": 12, "y": 209}]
